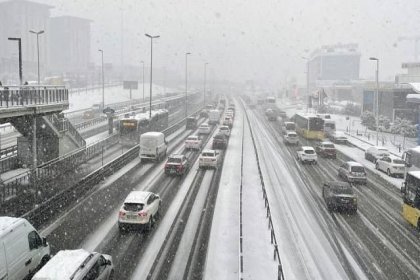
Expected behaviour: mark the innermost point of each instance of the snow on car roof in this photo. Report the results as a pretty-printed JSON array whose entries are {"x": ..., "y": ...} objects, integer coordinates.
[
  {"x": 176, "y": 156},
  {"x": 62, "y": 265},
  {"x": 307, "y": 148},
  {"x": 415, "y": 173},
  {"x": 224, "y": 127},
  {"x": 6, "y": 222},
  {"x": 353, "y": 163},
  {"x": 208, "y": 151},
  {"x": 137, "y": 197},
  {"x": 151, "y": 134},
  {"x": 192, "y": 137}
]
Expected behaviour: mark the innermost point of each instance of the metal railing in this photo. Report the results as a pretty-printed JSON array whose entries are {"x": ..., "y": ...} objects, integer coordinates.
[
  {"x": 276, "y": 254},
  {"x": 56, "y": 167},
  {"x": 14, "y": 96},
  {"x": 8, "y": 163},
  {"x": 9, "y": 151}
]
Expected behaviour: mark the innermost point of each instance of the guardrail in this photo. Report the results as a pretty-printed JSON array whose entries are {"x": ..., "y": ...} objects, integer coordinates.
[
  {"x": 46, "y": 209},
  {"x": 12, "y": 96},
  {"x": 276, "y": 254},
  {"x": 56, "y": 167}
]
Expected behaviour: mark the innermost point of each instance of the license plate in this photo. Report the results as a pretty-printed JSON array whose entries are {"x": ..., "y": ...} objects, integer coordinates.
[
  {"x": 131, "y": 217},
  {"x": 172, "y": 171}
]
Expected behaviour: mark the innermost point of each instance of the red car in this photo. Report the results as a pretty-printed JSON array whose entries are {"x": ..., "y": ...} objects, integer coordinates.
[{"x": 176, "y": 165}]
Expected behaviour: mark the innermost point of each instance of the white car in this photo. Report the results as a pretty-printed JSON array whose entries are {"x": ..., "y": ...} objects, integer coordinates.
[
  {"x": 307, "y": 154},
  {"x": 391, "y": 165},
  {"x": 338, "y": 137},
  {"x": 140, "y": 208},
  {"x": 374, "y": 153},
  {"x": 193, "y": 142},
  {"x": 291, "y": 138},
  {"x": 208, "y": 159},
  {"x": 77, "y": 265},
  {"x": 204, "y": 129},
  {"x": 224, "y": 129}
]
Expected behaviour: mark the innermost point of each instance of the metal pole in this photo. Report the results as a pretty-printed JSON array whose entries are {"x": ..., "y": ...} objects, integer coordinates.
[
  {"x": 186, "y": 84},
  {"x": 37, "y": 48},
  {"x": 151, "y": 73},
  {"x": 34, "y": 151},
  {"x": 103, "y": 80},
  {"x": 143, "y": 79},
  {"x": 307, "y": 86},
  {"x": 377, "y": 101},
  {"x": 204, "y": 93}
]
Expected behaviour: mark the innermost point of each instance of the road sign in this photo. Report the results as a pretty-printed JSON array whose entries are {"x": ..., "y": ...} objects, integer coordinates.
[{"x": 130, "y": 85}]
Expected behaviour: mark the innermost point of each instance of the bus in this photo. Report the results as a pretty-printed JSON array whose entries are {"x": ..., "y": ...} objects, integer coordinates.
[
  {"x": 411, "y": 187},
  {"x": 309, "y": 126},
  {"x": 132, "y": 126}
]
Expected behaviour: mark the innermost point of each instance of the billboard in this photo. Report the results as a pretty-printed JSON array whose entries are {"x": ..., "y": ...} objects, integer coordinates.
[{"x": 130, "y": 85}]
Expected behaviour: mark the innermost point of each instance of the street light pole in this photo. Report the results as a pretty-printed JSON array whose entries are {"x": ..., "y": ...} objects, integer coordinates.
[
  {"x": 151, "y": 72},
  {"x": 37, "y": 47},
  {"x": 103, "y": 79},
  {"x": 20, "y": 56},
  {"x": 377, "y": 97},
  {"x": 142, "y": 62},
  {"x": 205, "y": 74},
  {"x": 186, "y": 83}
]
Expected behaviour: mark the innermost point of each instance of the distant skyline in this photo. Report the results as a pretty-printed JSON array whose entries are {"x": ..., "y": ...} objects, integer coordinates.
[{"x": 248, "y": 39}]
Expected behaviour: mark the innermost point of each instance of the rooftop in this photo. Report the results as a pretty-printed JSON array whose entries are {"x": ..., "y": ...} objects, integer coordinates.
[{"x": 137, "y": 197}]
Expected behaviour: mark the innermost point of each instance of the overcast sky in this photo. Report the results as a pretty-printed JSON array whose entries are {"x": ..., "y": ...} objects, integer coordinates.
[{"x": 248, "y": 39}]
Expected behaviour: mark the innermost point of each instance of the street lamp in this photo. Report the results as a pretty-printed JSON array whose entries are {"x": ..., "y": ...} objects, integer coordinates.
[
  {"x": 377, "y": 97},
  {"x": 204, "y": 93},
  {"x": 186, "y": 83},
  {"x": 20, "y": 56},
  {"x": 37, "y": 47},
  {"x": 103, "y": 79},
  {"x": 151, "y": 67},
  {"x": 142, "y": 62}
]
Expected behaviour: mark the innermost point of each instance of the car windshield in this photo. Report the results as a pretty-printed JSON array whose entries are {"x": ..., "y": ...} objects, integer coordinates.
[
  {"x": 206, "y": 154},
  {"x": 357, "y": 169},
  {"x": 329, "y": 146},
  {"x": 133, "y": 207},
  {"x": 174, "y": 160},
  {"x": 309, "y": 152},
  {"x": 342, "y": 190},
  {"x": 398, "y": 161}
]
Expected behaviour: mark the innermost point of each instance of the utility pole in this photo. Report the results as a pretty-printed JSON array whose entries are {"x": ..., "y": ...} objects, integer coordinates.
[
  {"x": 151, "y": 72},
  {"x": 186, "y": 83}
]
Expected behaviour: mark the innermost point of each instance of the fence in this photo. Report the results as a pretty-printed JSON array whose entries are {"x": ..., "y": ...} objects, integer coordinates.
[{"x": 30, "y": 95}]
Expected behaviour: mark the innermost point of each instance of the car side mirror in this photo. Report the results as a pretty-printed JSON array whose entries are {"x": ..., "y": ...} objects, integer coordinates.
[
  {"x": 44, "y": 242},
  {"x": 108, "y": 262}
]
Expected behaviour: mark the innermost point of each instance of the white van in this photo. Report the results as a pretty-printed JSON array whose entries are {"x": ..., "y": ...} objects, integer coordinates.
[
  {"x": 22, "y": 250},
  {"x": 214, "y": 116},
  {"x": 153, "y": 146}
]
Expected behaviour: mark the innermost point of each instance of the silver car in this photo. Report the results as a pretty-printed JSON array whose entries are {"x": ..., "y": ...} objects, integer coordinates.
[{"x": 77, "y": 265}]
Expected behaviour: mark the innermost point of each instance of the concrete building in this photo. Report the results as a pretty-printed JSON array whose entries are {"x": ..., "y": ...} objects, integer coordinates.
[
  {"x": 17, "y": 18},
  {"x": 69, "y": 46}
]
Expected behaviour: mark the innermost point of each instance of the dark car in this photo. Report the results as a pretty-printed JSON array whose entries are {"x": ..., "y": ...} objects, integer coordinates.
[
  {"x": 326, "y": 149},
  {"x": 176, "y": 165},
  {"x": 219, "y": 141},
  {"x": 339, "y": 196}
]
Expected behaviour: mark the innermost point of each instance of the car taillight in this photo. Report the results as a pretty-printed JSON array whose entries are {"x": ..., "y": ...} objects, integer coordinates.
[
  {"x": 179, "y": 167},
  {"x": 143, "y": 213},
  {"x": 122, "y": 214}
]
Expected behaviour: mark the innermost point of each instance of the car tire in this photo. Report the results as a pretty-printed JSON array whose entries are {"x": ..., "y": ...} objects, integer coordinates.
[
  {"x": 389, "y": 172},
  {"x": 149, "y": 225},
  {"x": 112, "y": 275}
]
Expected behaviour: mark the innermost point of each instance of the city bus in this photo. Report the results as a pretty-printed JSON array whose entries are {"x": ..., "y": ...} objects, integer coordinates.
[
  {"x": 192, "y": 122},
  {"x": 309, "y": 126},
  {"x": 132, "y": 126},
  {"x": 411, "y": 187}
]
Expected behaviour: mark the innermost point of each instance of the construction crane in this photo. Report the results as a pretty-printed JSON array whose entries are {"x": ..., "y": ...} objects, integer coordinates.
[{"x": 415, "y": 39}]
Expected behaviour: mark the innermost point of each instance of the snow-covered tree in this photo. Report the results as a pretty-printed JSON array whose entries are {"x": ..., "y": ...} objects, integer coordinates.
[{"x": 368, "y": 119}]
